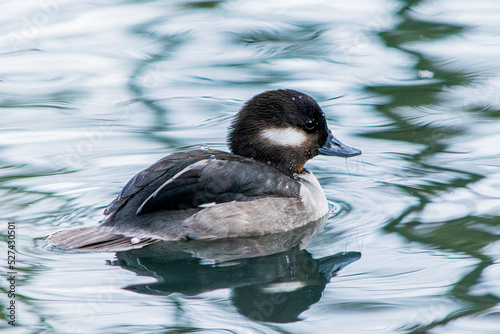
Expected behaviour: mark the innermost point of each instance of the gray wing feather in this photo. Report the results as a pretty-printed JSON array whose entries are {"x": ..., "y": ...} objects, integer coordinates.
[
  {"x": 219, "y": 181},
  {"x": 183, "y": 174},
  {"x": 162, "y": 169}
]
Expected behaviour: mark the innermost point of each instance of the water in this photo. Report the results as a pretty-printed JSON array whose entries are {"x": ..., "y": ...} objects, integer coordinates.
[{"x": 93, "y": 92}]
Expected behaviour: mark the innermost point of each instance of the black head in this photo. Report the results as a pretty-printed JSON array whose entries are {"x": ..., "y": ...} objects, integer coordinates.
[{"x": 284, "y": 128}]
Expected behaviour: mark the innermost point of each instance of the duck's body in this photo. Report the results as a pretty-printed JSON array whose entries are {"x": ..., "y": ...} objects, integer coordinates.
[
  {"x": 261, "y": 188},
  {"x": 213, "y": 194}
]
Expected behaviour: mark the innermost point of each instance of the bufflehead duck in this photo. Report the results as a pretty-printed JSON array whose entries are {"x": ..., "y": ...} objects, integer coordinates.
[{"x": 260, "y": 188}]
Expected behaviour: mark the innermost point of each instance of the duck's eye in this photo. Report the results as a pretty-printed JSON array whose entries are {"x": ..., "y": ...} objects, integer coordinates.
[{"x": 309, "y": 125}]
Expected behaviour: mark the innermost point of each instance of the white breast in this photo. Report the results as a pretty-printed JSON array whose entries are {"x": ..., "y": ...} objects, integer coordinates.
[{"x": 312, "y": 196}]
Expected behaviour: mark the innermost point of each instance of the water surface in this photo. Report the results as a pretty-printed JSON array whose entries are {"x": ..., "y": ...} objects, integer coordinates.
[{"x": 93, "y": 92}]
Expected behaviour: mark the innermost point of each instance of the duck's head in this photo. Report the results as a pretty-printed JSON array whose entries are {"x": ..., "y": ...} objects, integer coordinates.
[{"x": 284, "y": 128}]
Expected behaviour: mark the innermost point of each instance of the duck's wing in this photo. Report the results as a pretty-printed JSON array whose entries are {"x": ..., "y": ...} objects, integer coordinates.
[
  {"x": 160, "y": 171},
  {"x": 211, "y": 181}
]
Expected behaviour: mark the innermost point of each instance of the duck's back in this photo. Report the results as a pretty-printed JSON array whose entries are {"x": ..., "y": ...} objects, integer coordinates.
[{"x": 204, "y": 194}]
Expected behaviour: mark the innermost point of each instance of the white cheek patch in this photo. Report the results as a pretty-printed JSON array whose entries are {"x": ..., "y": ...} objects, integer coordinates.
[{"x": 284, "y": 137}]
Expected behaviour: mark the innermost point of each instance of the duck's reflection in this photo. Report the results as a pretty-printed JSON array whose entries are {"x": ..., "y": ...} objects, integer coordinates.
[{"x": 272, "y": 277}]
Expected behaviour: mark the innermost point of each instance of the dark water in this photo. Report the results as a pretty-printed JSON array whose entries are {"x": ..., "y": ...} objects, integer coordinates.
[{"x": 92, "y": 92}]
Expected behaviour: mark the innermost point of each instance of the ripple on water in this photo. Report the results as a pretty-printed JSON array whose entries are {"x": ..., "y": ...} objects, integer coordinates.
[{"x": 97, "y": 92}]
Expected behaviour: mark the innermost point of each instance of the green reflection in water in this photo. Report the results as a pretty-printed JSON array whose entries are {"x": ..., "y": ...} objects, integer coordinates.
[{"x": 465, "y": 235}]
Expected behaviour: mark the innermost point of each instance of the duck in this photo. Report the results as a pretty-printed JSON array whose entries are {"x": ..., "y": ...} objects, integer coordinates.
[{"x": 261, "y": 187}]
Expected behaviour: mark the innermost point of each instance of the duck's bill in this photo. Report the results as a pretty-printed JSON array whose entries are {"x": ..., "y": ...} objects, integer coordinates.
[{"x": 335, "y": 147}]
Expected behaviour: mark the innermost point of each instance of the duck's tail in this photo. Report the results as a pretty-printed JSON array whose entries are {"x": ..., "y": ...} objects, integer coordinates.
[{"x": 95, "y": 239}]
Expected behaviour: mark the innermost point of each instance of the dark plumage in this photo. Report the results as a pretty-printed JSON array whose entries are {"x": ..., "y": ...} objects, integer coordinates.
[{"x": 189, "y": 179}]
